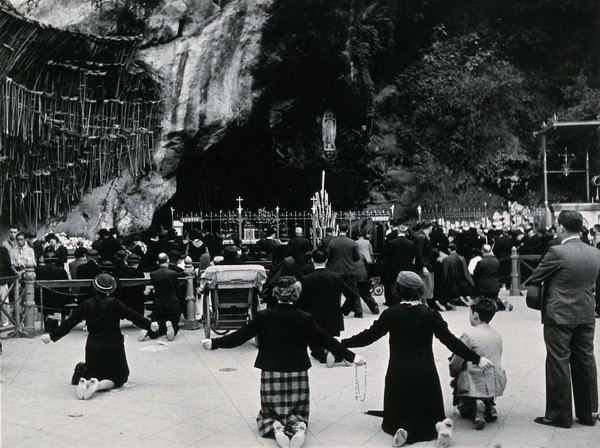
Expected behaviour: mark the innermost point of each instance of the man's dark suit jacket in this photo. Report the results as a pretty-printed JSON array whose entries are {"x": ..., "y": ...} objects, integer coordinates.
[
  {"x": 283, "y": 333},
  {"x": 86, "y": 271},
  {"x": 109, "y": 247},
  {"x": 399, "y": 256},
  {"x": 300, "y": 247},
  {"x": 166, "y": 284},
  {"x": 321, "y": 297},
  {"x": 52, "y": 297},
  {"x": 342, "y": 255},
  {"x": 422, "y": 252},
  {"x": 132, "y": 296},
  {"x": 485, "y": 276}
]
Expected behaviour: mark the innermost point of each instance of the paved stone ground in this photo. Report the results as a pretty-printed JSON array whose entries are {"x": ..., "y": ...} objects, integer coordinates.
[{"x": 181, "y": 395}]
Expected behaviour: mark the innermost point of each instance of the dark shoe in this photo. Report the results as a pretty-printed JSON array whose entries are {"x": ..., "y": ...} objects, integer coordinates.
[
  {"x": 359, "y": 315},
  {"x": 548, "y": 422},
  {"x": 375, "y": 309},
  {"x": 591, "y": 422},
  {"x": 479, "y": 412},
  {"x": 491, "y": 415}
]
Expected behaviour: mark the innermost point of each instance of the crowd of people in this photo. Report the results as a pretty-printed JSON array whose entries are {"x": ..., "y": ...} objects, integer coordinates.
[{"x": 424, "y": 270}]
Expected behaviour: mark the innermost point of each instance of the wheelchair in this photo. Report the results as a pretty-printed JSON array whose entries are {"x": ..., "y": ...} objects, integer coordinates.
[{"x": 230, "y": 296}]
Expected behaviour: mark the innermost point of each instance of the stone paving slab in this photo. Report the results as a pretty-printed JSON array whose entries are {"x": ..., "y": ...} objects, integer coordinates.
[{"x": 180, "y": 395}]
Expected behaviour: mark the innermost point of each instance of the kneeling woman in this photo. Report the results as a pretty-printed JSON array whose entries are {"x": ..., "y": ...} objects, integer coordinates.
[
  {"x": 413, "y": 405},
  {"x": 105, "y": 362},
  {"x": 284, "y": 333}
]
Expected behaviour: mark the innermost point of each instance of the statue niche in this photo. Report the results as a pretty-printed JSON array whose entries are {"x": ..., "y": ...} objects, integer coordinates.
[{"x": 328, "y": 124}]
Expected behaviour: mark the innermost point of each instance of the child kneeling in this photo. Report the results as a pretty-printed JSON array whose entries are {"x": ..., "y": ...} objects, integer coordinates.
[{"x": 475, "y": 389}]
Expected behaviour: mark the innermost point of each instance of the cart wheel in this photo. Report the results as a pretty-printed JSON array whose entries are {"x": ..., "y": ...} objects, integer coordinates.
[
  {"x": 377, "y": 290},
  {"x": 206, "y": 315}
]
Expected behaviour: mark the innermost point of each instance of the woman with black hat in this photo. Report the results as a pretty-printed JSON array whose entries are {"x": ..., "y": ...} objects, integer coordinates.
[
  {"x": 283, "y": 333},
  {"x": 413, "y": 405},
  {"x": 105, "y": 361}
]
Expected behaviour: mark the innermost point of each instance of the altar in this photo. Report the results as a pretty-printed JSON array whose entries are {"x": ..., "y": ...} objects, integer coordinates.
[{"x": 583, "y": 130}]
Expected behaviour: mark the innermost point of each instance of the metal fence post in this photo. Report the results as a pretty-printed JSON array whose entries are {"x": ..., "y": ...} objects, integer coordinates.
[
  {"x": 30, "y": 299},
  {"x": 515, "y": 288},
  {"x": 190, "y": 322}
]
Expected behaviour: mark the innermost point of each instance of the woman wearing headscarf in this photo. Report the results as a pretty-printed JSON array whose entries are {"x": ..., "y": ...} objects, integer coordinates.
[
  {"x": 284, "y": 265},
  {"x": 413, "y": 405},
  {"x": 105, "y": 361},
  {"x": 283, "y": 333}
]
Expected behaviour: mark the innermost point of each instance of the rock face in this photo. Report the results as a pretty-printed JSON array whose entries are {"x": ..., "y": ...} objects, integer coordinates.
[
  {"x": 201, "y": 55},
  {"x": 243, "y": 88},
  {"x": 206, "y": 75}
]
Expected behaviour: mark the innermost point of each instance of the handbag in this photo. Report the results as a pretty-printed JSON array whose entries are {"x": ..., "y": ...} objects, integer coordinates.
[{"x": 535, "y": 297}]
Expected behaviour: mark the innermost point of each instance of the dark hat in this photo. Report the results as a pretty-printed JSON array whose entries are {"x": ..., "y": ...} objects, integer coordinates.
[
  {"x": 409, "y": 280},
  {"x": 80, "y": 252},
  {"x": 230, "y": 252},
  {"x": 174, "y": 255},
  {"x": 50, "y": 256},
  {"x": 103, "y": 232},
  {"x": 133, "y": 258},
  {"x": 121, "y": 255},
  {"x": 107, "y": 265},
  {"x": 93, "y": 253},
  {"x": 104, "y": 283},
  {"x": 50, "y": 236}
]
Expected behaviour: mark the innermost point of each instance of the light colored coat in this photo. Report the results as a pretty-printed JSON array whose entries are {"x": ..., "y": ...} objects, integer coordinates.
[{"x": 471, "y": 380}]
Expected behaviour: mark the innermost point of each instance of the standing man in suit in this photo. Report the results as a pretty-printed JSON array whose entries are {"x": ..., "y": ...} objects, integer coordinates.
[
  {"x": 569, "y": 272},
  {"x": 166, "y": 309},
  {"x": 399, "y": 256},
  {"x": 342, "y": 253},
  {"x": 321, "y": 296}
]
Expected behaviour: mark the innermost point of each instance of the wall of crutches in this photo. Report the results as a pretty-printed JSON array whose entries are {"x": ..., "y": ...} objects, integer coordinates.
[{"x": 75, "y": 111}]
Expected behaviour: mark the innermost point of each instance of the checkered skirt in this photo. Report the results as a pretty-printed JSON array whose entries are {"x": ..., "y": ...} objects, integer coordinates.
[{"x": 284, "y": 399}]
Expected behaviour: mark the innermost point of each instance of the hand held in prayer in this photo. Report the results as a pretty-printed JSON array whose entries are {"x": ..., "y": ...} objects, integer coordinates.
[
  {"x": 485, "y": 363},
  {"x": 206, "y": 343},
  {"x": 359, "y": 360},
  {"x": 154, "y": 326},
  {"x": 46, "y": 338}
]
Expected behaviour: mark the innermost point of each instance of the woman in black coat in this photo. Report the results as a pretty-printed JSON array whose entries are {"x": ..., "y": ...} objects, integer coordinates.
[
  {"x": 413, "y": 405},
  {"x": 283, "y": 333},
  {"x": 105, "y": 361}
]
